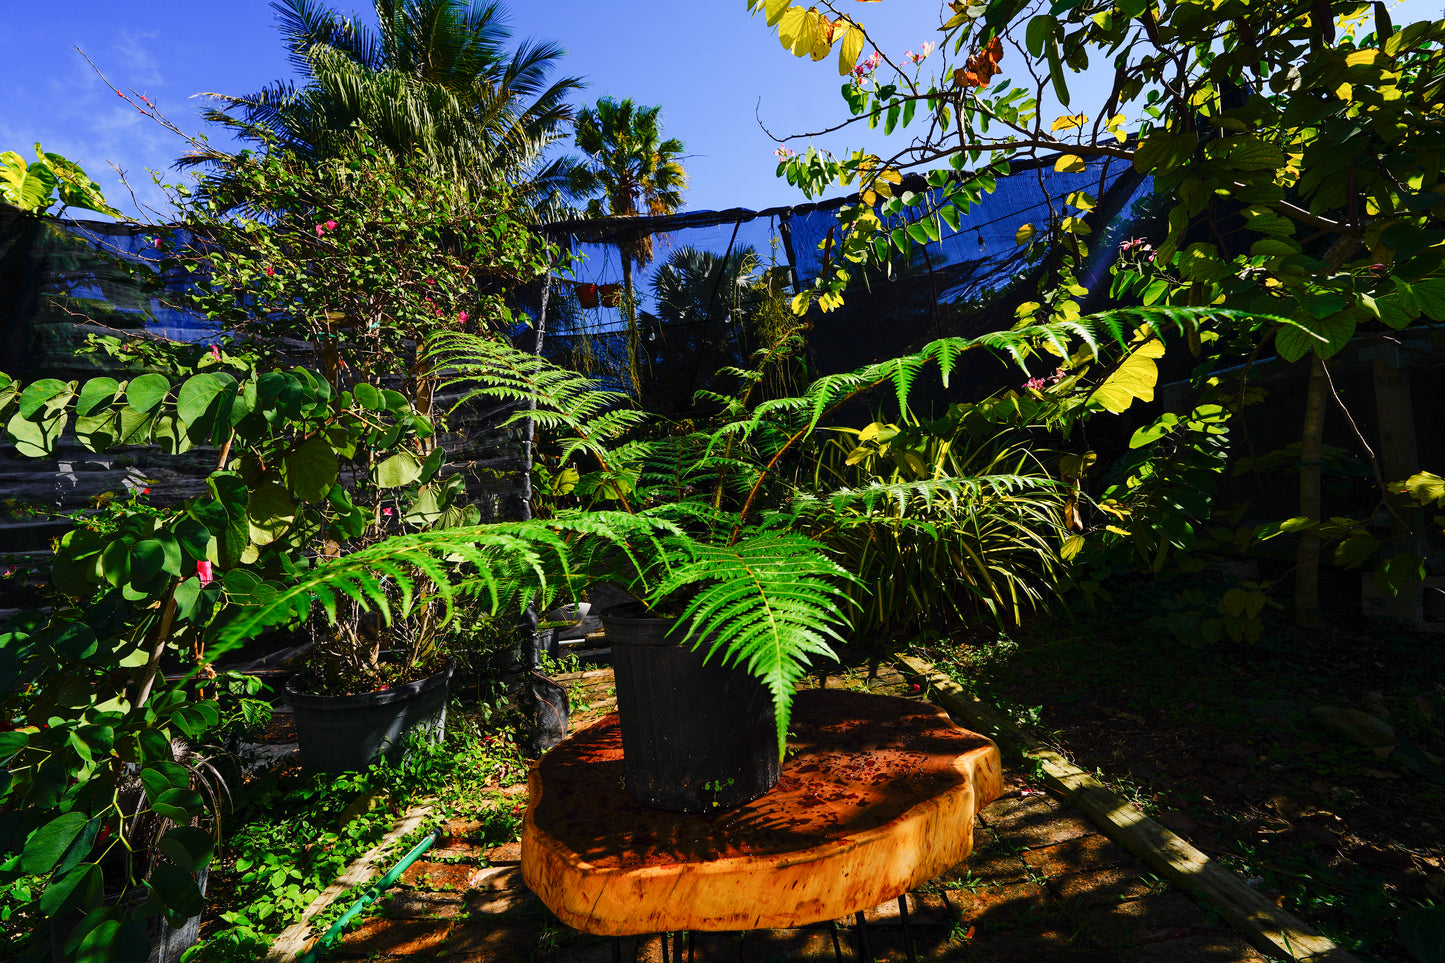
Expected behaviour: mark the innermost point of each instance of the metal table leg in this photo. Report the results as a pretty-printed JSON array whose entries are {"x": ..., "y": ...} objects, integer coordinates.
[
  {"x": 907, "y": 929},
  {"x": 865, "y": 952}
]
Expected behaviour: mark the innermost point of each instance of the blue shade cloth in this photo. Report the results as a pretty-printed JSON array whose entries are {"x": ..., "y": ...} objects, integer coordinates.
[
  {"x": 967, "y": 282},
  {"x": 60, "y": 280}
]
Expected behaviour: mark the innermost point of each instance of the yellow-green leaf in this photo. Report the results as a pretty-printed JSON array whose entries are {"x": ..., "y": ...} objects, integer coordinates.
[
  {"x": 1069, "y": 122},
  {"x": 1424, "y": 487},
  {"x": 1134, "y": 379},
  {"x": 1080, "y": 199},
  {"x": 795, "y": 30},
  {"x": 849, "y": 49},
  {"x": 1164, "y": 152},
  {"x": 1070, "y": 164},
  {"x": 775, "y": 10},
  {"x": 1071, "y": 547},
  {"x": 1024, "y": 234}
]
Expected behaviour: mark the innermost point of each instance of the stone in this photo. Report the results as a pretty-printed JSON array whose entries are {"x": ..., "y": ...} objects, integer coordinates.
[
  {"x": 1076, "y": 855},
  {"x": 1139, "y": 921},
  {"x": 380, "y": 938},
  {"x": 1004, "y": 905},
  {"x": 428, "y": 875},
  {"x": 1103, "y": 887},
  {"x": 1219, "y": 946},
  {"x": 1033, "y": 821}
]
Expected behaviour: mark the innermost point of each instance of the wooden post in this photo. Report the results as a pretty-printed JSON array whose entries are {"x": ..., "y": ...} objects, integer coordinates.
[
  {"x": 1399, "y": 458},
  {"x": 1311, "y": 464}
]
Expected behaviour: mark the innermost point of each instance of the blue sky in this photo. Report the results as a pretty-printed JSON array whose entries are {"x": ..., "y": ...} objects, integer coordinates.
[{"x": 707, "y": 62}]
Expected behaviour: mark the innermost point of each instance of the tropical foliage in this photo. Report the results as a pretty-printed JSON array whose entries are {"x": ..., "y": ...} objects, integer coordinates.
[
  {"x": 306, "y": 466},
  {"x": 635, "y": 171},
  {"x": 435, "y": 84},
  {"x": 360, "y": 258},
  {"x": 941, "y": 520},
  {"x": 48, "y": 180},
  {"x": 1296, "y": 145},
  {"x": 711, "y": 522}
]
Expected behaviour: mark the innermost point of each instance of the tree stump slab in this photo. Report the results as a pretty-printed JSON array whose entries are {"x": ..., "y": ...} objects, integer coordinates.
[{"x": 877, "y": 796}]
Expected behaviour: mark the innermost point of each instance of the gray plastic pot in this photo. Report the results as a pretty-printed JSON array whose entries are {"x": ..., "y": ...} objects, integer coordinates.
[
  {"x": 346, "y": 733},
  {"x": 696, "y": 737}
]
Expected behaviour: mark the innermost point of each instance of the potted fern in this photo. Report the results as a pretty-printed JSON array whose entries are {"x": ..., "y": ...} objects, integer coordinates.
[{"x": 709, "y": 523}]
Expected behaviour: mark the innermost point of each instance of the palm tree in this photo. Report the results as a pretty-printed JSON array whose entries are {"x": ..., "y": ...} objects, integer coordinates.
[
  {"x": 435, "y": 81},
  {"x": 635, "y": 171}
]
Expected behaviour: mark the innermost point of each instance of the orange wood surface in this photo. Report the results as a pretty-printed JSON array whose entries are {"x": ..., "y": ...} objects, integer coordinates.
[{"x": 877, "y": 797}]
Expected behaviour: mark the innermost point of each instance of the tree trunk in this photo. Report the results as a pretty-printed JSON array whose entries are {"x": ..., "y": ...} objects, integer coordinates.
[
  {"x": 1311, "y": 463},
  {"x": 629, "y": 316}
]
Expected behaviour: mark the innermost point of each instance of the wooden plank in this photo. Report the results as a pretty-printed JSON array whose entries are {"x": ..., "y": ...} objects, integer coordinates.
[
  {"x": 1269, "y": 928},
  {"x": 294, "y": 941}
]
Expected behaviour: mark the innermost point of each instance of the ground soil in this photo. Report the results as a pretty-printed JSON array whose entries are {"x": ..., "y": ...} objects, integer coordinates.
[{"x": 1226, "y": 744}]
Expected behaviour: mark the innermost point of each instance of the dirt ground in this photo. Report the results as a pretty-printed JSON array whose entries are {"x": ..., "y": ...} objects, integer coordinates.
[{"x": 1256, "y": 753}]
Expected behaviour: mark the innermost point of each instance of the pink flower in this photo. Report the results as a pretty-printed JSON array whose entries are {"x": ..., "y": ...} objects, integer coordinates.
[
  {"x": 869, "y": 65},
  {"x": 145, "y": 491},
  {"x": 320, "y": 229},
  {"x": 203, "y": 572},
  {"x": 270, "y": 271},
  {"x": 386, "y": 513},
  {"x": 215, "y": 352},
  {"x": 157, "y": 243},
  {"x": 925, "y": 49},
  {"x": 331, "y": 225},
  {"x": 462, "y": 318},
  {"x": 783, "y": 153}
]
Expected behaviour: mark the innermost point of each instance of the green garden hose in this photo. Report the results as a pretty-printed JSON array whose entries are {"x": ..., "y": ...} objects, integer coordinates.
[{"x": 370, "y": 896}]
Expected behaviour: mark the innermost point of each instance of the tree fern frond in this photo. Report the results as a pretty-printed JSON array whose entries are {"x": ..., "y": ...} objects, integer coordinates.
[{"x": 769, "y": 602}]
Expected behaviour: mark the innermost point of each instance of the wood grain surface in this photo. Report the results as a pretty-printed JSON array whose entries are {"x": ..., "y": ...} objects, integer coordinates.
[{"x": 877, "y": 796}]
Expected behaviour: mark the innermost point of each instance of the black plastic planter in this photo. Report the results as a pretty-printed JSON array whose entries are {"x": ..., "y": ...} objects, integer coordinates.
[
  {"x": 346, "y": 733},
  {"x": 695, "y": 737}
]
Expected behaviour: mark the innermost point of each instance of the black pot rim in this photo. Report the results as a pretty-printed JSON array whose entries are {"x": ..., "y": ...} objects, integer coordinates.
[
  {"x": 650, "y": 631},
  {"x": 396, "y": 693}
]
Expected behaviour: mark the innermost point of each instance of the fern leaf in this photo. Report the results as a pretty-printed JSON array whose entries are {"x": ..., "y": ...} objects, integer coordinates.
[{"x": 769, "y": 603}]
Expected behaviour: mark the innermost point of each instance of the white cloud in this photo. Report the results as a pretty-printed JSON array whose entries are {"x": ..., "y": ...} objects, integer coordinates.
[{"x": 135, "y": 62}]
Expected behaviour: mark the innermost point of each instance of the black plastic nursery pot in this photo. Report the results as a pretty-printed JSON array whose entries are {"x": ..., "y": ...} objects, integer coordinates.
[
  {"x": 696, "y": 737},
  {"x": 346, "y": 733}
]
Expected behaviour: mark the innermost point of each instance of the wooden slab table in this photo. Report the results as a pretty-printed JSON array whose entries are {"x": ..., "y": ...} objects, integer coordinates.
[{"x": 877, "y": 796}]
